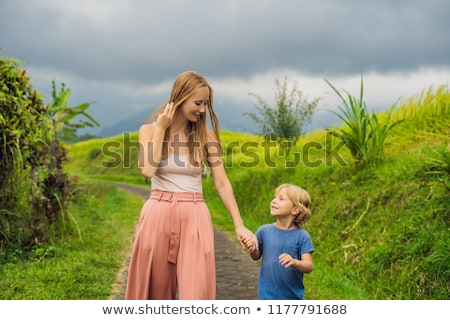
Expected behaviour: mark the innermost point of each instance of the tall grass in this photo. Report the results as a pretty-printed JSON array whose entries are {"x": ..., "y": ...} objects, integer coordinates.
[
  {"x": 364, "y": 134},
  {"x": 426, "y": 114},
  {"x": 438, "y": 165}
]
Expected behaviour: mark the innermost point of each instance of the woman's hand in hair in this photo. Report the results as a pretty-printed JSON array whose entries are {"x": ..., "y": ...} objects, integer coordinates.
[{"x": 164, "y": 120}]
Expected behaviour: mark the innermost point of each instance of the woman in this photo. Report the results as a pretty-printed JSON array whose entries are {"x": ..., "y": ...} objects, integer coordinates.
[{"x": 173, "y": 251}]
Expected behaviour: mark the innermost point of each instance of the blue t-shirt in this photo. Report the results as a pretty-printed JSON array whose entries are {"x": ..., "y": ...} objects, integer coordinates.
[{"x": 277, "y": 282}]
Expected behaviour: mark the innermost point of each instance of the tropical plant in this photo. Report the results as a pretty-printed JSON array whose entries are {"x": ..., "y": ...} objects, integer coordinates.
[
  {"x": 363, "y": 133},
  {"x": 64, "y": 115},
  {"x": 285, "y": 121},
  {"x": 56, "y": 187}
]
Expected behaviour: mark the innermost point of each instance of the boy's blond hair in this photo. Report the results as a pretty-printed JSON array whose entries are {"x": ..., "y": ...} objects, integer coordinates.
[{"x": 301, "y": 200}]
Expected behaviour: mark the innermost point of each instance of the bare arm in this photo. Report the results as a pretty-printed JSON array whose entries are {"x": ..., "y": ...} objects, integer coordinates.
[
  {"x": 255, "y": 254},
  {"x": 150, "y": 149},
  {"x": 304, "y": 265},
  {"x": 151, "y": 138},
  {"x": 224, "y": 188}
]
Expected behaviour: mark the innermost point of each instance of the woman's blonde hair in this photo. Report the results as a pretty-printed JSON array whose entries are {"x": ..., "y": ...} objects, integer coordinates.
[
  {"x": 185, "y": 85},
  {"x": 300, "y": 199}
]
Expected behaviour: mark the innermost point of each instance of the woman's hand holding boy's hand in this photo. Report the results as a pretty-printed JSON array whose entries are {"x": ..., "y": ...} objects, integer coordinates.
[
  {"x": 250, "y": 243},
  {"x": 245, "y": 238}
]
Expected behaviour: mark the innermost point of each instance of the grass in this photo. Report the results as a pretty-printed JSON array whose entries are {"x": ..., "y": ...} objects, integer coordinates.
[
  {"x": 77, "y": 268},
  {"x": 380, "y": 231}
]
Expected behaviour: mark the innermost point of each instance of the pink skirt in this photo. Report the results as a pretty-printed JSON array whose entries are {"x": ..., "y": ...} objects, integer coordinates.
[{"x": 173, "y": 251}]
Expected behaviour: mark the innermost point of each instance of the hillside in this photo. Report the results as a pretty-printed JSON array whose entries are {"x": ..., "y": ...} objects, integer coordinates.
[{"x": 380, "y": 231}]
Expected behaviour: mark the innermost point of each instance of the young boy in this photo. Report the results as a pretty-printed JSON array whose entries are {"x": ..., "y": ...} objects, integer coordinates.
[{"x": 285, "y": 247}]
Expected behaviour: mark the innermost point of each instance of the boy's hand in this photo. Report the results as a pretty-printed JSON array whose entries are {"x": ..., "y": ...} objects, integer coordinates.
[
  {"x": 250, "y": 243},
  {"x": 286, "y": 260}
]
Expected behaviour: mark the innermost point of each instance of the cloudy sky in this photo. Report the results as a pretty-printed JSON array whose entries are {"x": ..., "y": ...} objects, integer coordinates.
[{"x": 123, "y": 55}]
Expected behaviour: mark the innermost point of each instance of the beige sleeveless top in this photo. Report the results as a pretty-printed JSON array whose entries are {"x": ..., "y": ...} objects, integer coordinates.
[{"x": 176, "y": 174}]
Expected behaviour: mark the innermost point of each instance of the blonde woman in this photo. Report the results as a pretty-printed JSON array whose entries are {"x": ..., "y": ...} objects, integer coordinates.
[
  {"x": 173, "y": 252},
  {"x": 285, "y": 247}
]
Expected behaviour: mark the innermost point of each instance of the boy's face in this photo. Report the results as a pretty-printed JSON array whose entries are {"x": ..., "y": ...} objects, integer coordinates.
[{"x": 281, "y": 205}]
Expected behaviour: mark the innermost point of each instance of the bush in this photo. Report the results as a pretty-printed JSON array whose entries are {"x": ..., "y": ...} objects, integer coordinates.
[
  {"x": 284, "y": 122},
  {"x": 24, "y": 123},
  {"x": 34, "y": 190}
]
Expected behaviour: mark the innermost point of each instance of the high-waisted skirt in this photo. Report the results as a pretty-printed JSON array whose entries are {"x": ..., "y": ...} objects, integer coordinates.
[{"x": 173, "y": 250}]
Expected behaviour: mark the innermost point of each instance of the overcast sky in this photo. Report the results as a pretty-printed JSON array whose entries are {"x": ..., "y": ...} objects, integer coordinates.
[{"x": 123, "y": 55}]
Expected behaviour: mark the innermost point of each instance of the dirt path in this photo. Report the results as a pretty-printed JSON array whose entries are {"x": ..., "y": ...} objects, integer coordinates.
[{"x": 237, "y": 273}]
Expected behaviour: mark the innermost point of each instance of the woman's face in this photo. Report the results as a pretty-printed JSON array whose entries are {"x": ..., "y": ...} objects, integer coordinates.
[{"x": 194, "y": 107}]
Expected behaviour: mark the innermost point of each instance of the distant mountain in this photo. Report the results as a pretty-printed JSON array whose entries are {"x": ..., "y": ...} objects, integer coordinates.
[
  {"x": 130, "y": 124},
  {"x": 231, "y": 117}
]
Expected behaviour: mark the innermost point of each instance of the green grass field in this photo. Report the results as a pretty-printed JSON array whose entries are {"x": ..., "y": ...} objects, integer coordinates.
[{"x": 380, "y": 232}]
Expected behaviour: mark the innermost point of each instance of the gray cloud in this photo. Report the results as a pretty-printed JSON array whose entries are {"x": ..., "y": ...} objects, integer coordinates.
[
  {"x": 150, "y": 39},
  {"x": 137, "y": 41}
]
